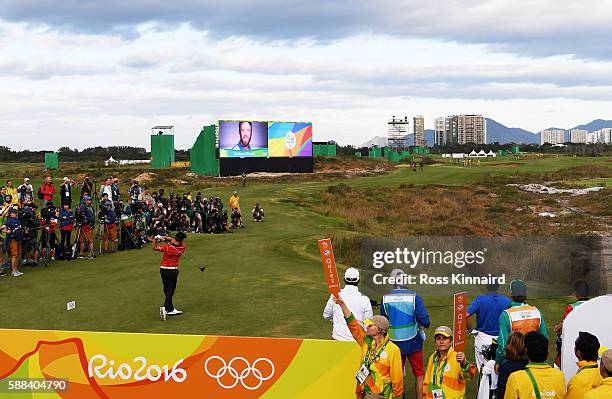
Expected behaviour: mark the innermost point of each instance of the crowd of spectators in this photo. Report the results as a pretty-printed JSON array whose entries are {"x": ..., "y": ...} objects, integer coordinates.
[{"x": 89, "y": 216}]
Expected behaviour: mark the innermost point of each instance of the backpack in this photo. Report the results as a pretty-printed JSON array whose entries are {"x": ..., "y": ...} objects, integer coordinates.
[{"x": 40, "y": 193}]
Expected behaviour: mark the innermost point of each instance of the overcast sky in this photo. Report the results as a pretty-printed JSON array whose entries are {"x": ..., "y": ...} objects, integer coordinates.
[{"x": 82, "y": 73}]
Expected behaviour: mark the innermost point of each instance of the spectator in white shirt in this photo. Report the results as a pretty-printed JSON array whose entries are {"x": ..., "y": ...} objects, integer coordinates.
[{"x": 358, "y": 304}]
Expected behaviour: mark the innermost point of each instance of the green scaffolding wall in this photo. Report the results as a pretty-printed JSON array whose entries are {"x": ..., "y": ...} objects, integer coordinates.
[
  {"x": 162, "y": 151},
  {"x": 51, "y": 160},
  {"x": 203, "y": 154},
  {"x": 326, "y": 150}
]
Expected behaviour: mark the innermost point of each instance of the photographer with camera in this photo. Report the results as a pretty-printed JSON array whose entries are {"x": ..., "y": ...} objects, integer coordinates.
[
  {"x": 236, "y": 219},
  {"x": 134, "y": 194},
  {"x": 107, "y": 189},
  {"x": 25, "y": 192},
  {"x": 258, "y": 213},
  {"x": 115, "y": 194},
  {"x": 85, "y": 225},
  {"x": 86, "y": 188},
  {"x": 108, "y": 226},
  {"x": 199, "y": 213},
  {"x": 47, "y": 190},
  {"x": 14, "y": 235},
  {"x": 30, "y": 225},
  {"x": 49, "y": 217},
  {"x": 66, "y": 220}
]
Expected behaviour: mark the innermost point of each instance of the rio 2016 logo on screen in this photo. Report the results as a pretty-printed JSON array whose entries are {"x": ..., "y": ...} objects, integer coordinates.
[{"x": 290, "y": 139}]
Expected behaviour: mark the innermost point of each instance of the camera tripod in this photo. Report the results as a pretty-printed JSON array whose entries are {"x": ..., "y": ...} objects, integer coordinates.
[
  {"x": 44, "y": 251},
  {"x": 103, "y": 235},
  {"x": 75, "y": 245}
]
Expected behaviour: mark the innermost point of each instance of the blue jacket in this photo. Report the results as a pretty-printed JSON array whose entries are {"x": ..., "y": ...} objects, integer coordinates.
[
  {"x": 14, "y": 225},
  {"x": 88, "y": 213},
  {"x": 112, "y": 216},
  {"x": 66, "y": 218}
]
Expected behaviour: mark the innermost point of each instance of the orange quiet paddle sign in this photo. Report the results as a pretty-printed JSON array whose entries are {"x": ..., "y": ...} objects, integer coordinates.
[
  {"x": 329, "y": 266},
  {"x": 459, "y": 328}
]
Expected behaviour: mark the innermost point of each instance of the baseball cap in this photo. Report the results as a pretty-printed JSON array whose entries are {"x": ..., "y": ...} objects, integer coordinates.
[
  {"x": 235, "y": 192},
  {"x": 66, "y": 179},
  {"x": 27, "y": 178},
  {"x": 351, "y": 275},
  {"x": 87, "y": 198},
  {"x": 395, "y": 274},
  {"x": 518, "y": 288},
  {"x": 606, "y": 359},
  {"x": 443, "y": 330},
  {"x": 378, "y": 320}
]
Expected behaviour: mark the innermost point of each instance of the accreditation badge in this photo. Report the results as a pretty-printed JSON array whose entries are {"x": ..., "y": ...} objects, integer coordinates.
[
  {"x": 362, "y": 374},
  {"x": 437, "y": 394}
]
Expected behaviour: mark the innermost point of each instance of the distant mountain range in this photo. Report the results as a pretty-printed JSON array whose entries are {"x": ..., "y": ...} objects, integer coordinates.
[{"x": 496, "y": 132}]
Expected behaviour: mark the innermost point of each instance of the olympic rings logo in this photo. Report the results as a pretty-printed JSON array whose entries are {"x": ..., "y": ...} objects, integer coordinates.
[{"x": 239, "y": 377}]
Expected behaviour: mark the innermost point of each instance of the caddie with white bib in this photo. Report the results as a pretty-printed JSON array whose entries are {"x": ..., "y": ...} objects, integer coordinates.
[{"x": 519, "y": 317}]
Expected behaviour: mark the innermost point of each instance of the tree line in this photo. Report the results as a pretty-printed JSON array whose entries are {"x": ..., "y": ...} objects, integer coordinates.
[{"x": 67, "y": 154}]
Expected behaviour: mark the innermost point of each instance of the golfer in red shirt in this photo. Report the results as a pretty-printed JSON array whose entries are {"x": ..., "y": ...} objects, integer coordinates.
[{"x": 169, "y": 269}]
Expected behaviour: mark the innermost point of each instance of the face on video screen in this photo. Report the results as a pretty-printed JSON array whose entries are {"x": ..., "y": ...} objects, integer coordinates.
[{"x": 242, "y": 139}]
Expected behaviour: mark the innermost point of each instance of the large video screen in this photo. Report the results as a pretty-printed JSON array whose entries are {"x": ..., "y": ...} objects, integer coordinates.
[
  {"x": 243, "y": 139},
  {"x": 290, "y": 139}
]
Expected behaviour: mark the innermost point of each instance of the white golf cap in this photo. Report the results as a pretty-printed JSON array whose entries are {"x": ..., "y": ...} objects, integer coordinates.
[
  {"x": 66, "y": 179},
  {"x": 27, "y": 178},
  {"x": 351, "y": 275},
  {"x": 395, "y": 273}
]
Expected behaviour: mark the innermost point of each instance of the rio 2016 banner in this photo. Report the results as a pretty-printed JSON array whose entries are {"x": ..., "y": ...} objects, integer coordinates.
[{"x": 71, "y": 365}]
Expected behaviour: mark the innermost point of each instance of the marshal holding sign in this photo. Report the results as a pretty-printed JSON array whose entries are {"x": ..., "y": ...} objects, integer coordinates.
[
  {"x": 329, "y": 266},
  {"x": 459, "y": 328}
]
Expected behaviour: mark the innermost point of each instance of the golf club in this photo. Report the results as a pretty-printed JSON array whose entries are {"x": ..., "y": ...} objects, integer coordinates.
[{"x": 202, "y": 268}]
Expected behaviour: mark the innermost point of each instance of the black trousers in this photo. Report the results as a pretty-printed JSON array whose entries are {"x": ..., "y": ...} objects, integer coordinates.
[
  {"x": 65, "y": 244},
  {"x": 169, "y": 278}
]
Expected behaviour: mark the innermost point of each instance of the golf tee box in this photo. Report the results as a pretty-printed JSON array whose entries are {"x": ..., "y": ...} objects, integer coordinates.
[
  {"x": 329, "y": 266},
  {"x": 459, "y": 327}
]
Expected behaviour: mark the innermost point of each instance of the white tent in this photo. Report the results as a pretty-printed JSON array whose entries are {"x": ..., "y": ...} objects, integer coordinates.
[
  {"x": 111, "y": 161},
  {"x": 473, "y": 154},
  {"x": 491, "y": 154},
  {"x": 482, "y": 154},
  {"x": 134, "y": 162}
]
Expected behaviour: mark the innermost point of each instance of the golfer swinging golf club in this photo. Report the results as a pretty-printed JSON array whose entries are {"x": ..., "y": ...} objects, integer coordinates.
[{"x": 169, "y": 269}]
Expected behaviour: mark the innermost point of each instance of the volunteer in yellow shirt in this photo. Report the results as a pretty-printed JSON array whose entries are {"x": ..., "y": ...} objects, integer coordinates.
[
  {"x": 605, "y": 369},
  {"x": 588, "y": 376},
  {"x": 447, "y": 371},
  {"x": 380, "y": 375},
  {"x": 234, "y": 201},
  {"x": 539, "y": 380}
]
